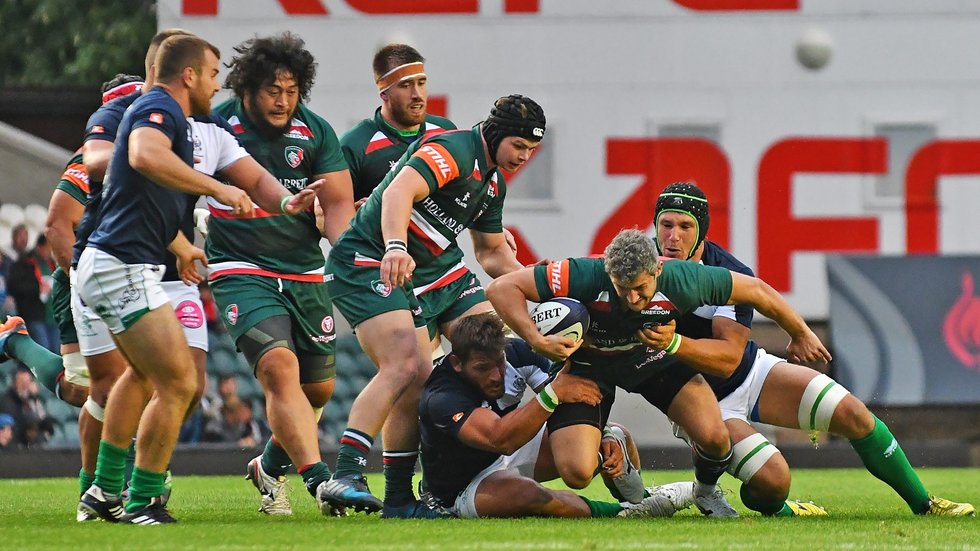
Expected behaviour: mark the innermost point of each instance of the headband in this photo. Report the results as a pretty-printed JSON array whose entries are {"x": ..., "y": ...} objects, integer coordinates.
[{"x": 400, "y": 73}]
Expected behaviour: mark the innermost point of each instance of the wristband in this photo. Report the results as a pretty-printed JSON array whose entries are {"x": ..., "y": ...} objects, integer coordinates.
[
  {"x": 548, "y": 398},
  {"x": 396, "y": 245},
  {"x": 282, "y": 203},
  {"x": 675, "y": 343}
]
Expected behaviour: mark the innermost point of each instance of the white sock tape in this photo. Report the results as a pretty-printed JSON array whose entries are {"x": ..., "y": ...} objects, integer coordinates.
[
  {"x": 749, "y": 455},
  {"x": 819, "y": 402}
]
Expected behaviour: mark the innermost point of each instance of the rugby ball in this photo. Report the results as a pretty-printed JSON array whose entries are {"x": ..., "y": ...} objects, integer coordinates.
[{"x": 561, "y": 316}]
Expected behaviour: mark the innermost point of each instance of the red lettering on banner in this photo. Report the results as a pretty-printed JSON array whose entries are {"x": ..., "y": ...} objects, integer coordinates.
[
  {"x": 291, "y": 7},
  {"x": 379, "y": 7},
  {"x": 438, "y": 106},
  {"x": 778, "y": 233},
  {"x": 935, "y": 159},
  {"x": 740, "y": 5},
  {"x": 663, "y": 161},
  {"x": 522, "y": 6}
]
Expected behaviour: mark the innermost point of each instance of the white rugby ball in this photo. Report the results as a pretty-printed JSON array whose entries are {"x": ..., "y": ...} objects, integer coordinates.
[{"x": 561, "y": 316}]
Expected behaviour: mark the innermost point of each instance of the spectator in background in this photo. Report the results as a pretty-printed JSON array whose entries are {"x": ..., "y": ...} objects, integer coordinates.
[
  {"x": 19, "y": 239},
  {"x": 6, "y": 301},
  {"x": 6, "y": 431},
  {"x": 31, "y": 423},
  {"x": 29, "y": 283}
]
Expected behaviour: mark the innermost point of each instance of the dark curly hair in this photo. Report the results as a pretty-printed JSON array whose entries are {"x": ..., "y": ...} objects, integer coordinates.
[{"x": 258, "y": 60}]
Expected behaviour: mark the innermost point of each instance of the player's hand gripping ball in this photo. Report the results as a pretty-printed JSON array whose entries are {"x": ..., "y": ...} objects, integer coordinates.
[{"x": 562, "y": 316}]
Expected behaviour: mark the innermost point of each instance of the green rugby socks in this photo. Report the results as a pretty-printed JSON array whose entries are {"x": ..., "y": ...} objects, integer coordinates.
[
  {"x": 354, "y": 448},
  {"x": 884, "y": 458},
  {"x": 110, "y": 469},
  {"x": 144, "y": 486},
  {"x": 602, "y": 509},
  {"x": 45, "y": 365},
  {"x": 399, "y": 468},
  {"x": 275, "y": 460}
]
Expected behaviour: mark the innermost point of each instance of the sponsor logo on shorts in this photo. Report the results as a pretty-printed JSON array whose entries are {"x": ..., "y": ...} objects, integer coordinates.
[
  {"x": 470, "y": 291},
  {"x": 652, "y": 356},
  {"x": 231, "y": 314},
  {"x": 323, "y": 339},
  {"x": 130, "y": 294},
  {"x": 381, "y": 288},
  {"x": 189, "y": 314},
  {"x": 294, "y": 155},
  {"x": 327, "y": 324}
]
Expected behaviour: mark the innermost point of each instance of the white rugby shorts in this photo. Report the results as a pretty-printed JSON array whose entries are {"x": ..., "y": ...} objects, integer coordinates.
[
  {"x": 521, "y": 461},
  {"x": 119, "y": 293}
]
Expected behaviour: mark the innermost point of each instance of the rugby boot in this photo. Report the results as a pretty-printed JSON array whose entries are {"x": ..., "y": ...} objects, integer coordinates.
[
  {"x": 629, "y": 485},
  {"x": 680, "y": 494},
  {"x": 415, "y": 509},
  {"x": 97, "y": 504},
  {"x": 714, "y": 504},
  {"x": 806, "y": 509},
  {"x": 13, "y": 326},
  {"x": 154, "y": 513},
  {"x": 275, "y": 500},
  {"x": 349, "y": 491},
  {"x": 653, "y": 506},
  {"x": 945, "y": 507}
]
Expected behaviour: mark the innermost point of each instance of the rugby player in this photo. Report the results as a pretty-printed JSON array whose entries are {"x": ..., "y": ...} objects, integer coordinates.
[
  {"x": 627, "y": 292},
  {"x": 145, "y": 203},
  {"x": 754, "y": 386},
  {"x": 483, "y": 460},
  {"x": 267, "y": 271},
  {"x": 407, "y": 229}
]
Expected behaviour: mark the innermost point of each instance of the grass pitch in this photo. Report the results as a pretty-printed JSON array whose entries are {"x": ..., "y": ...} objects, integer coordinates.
[{"x": 219, "y": 513}]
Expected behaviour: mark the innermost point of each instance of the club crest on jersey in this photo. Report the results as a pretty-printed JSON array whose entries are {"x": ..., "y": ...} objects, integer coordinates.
[
  {"x": 294, "y": 155},
  {"x": 381, "y": 288},
  {"x": 327, "y": 324},
  {"x": 231, "y": 314}
]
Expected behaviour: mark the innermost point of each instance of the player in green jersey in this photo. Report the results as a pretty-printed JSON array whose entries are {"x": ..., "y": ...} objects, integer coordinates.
[
  {"x": 405, "y": 232},
  {"x": 753, "y": 385},
  {"x": 267, "y": 271},
  {"x": 628, "y": 292}
]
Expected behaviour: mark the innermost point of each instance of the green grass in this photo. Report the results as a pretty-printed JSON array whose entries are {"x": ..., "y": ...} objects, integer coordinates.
[{"x": 218, "y": 513}]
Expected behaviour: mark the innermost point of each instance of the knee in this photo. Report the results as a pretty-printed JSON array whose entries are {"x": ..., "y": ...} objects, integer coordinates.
[
  {"x": 852, "y": 419},
  {"x": 713, "y": 441},
  {"x": 72, "y": 393},
  {"x": 576, "y": 475},
  {"x": 771, "y": 483}
]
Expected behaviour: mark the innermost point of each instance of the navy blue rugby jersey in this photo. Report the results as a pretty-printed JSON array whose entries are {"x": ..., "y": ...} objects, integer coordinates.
[
  {"x": 139, "y": 218},
  {"x": 697, "y": 324}
]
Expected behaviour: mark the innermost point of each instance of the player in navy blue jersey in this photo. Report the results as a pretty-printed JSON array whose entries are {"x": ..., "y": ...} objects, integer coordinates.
[
  {"x": 754, "y": 386},
  {"x": 119, "y": 272},
  {"x": 481, "y": 459}
]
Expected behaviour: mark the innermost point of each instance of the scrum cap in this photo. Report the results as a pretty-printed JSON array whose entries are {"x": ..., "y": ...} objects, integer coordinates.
[
  {"x": 513, "y": 115},
  {"x": 687, "y": 198}
]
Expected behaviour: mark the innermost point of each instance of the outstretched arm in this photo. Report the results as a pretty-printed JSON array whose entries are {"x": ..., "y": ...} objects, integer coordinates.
[
  {"x": 804, "y": 346},
  {"x": 336, "y": 198}
]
